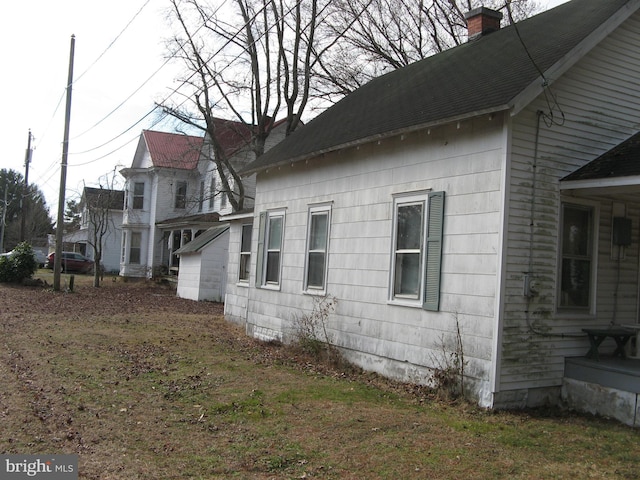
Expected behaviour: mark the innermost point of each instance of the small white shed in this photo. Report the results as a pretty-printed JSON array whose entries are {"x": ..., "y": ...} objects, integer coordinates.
[{"x": 203, "y": 265}]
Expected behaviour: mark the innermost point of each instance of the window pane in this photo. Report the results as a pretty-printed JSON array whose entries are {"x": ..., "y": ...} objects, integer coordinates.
[
  {"x": 181, "y": 195},
  {"x": 407, "y": 274},
  {"x": 575, "y": 231},
  {"x": 409, "y": 233},
  {"x": 318, "y": 232},
  {"x": 246, "y": 238},
  {"x": 273, "y": 267},
  {"x": 244, "y": 267},
  {"x": 576, "y": 276},
  {"x": 212, "y": 192},
  {"x": 275, "y": 233},
  {"x": 315, "y": 276},
  {"x": 138, "y": 195},
  {"x": 134, "y": 252}
]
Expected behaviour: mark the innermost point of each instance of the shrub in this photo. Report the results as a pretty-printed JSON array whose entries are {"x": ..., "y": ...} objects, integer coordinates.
[
  {"x": 310, "y": 328},
  {"x": 18, "y": 266}
]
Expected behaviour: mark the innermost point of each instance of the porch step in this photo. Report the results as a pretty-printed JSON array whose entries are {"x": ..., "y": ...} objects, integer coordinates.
[{"x": 619, "y": 373}]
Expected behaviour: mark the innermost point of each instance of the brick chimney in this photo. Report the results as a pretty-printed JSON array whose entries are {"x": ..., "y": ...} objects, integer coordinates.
[{"x": 482, "y": 21}]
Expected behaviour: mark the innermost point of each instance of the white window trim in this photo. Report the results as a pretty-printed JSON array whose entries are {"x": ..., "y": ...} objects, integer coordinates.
[
  {"x": 263, "y": 282},
  {"x": 320, "y": 208},
  {"x": 571, "y": 312},
  {"x": 241, "y": 281},
  {"x": 402, "y": 199},
  {"x": 135, "y": 196}
]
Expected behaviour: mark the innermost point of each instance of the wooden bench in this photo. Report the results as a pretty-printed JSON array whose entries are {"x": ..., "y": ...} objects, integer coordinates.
[{"x": 598, "y": 335}]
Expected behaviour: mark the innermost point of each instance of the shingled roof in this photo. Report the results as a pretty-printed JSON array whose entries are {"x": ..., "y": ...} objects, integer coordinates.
[
  {"x": 482, "y": 76},
  {"x": 621, "y": 161},
  {"x": 100, "y": 197}
]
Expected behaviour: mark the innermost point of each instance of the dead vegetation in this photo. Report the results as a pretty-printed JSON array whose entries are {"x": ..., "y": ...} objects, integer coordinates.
[{"x": 142, "y": 385}]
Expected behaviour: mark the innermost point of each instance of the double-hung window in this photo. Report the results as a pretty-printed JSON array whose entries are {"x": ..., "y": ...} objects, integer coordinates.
[
  {"x": 138, "y": 196},
  {"x": 135, "y": 247},
  {"x": 181, "y": 195},
  {"x": 270, "y": 238},
  {"x": 201, "y": 197},
  {"x": 317, "y": 247},
  {"x": 245, "y": 253},
  {"x": 417, "y": 249},
  {"x": 212, "y": 192},
  {"x": 577, "y": 258}
]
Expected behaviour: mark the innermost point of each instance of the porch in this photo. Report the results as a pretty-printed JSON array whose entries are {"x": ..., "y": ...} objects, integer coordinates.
[{"x": 609, "y": 387}]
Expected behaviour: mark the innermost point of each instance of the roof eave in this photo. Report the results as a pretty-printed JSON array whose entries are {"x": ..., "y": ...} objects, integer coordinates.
[
  {"x": 626, "y": 181},
  {"x": 237, "y": 216},
  {"x": 378, "y": 137}
]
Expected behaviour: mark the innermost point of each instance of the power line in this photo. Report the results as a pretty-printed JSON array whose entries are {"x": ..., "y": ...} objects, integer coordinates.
[
  {"x": 113, "y": 41},
  {"x": 550, "y": 98}
]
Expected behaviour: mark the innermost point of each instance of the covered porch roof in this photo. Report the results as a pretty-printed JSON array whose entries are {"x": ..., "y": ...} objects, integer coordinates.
[{"x": 615, "y": 172}]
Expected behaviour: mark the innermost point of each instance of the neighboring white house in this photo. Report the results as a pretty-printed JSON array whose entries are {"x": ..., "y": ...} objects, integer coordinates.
[
  {"x": 429, "y": 202},
  {"x": 174, "y": 194},
  {"x": 101, "y": 221}
]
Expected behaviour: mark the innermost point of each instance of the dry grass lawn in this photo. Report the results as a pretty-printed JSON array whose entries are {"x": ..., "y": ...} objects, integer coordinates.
[{"x": 143, "y": 385}]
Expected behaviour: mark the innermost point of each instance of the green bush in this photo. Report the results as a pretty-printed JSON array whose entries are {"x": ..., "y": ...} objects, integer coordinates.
[{"x": 21, "y": 264}]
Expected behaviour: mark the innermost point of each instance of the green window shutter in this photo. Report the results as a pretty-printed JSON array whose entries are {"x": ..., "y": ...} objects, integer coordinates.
[
  {"x": 433, "y": 251},
  {"x": 260, "y": 253}
]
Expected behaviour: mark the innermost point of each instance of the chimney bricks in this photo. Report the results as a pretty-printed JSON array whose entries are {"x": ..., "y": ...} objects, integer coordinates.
[{"x": 482, "y": 21}]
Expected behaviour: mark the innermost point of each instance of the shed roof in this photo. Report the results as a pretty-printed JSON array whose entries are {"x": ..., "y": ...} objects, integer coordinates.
[
  {"x": 621, "y": 161},
  {"x": 98, "y": 196},
  {"x": 484, "y": 75},
  {"x": 201, "y": 241}
]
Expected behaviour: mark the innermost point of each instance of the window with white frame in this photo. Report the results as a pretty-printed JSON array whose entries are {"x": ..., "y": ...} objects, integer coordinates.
[
  {"x": 135, "y": 247},
  {"x": 577, "y": 257},
  {"x": 201, "y": 197},
  {"x": 417, "y": 249},
  {"x": 181, "y": 195},
  {"x": 212, "y": 192},
  {"x": 245, "y": 253},
  {"x": 317, "y": 247},
  {"x": 138, "y": 196},
  {"x": 270, "y": 237}
]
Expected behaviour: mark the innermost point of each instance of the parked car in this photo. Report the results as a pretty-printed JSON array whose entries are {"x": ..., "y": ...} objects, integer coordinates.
[
  {"x": 72, "y": 262},
  {"x": 40, "y": 257}
]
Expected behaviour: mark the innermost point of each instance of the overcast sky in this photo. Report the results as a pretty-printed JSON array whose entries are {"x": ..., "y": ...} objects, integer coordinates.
[{"x": 119, "y": 72}]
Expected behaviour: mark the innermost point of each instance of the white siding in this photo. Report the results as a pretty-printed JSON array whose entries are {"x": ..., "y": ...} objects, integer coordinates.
[
  {"x": 464, "y": 161},
  {"x": 600, "y": 98},
  {"x": 237, "y": 294},
  {"x": 203, "y": 275}
]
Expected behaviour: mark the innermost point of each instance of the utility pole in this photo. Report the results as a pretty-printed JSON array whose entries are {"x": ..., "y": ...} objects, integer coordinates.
[
  {"x": 24, "y": 199},
  {"x": 57, "y": 263},
  {"x": 4, "y": 216}
]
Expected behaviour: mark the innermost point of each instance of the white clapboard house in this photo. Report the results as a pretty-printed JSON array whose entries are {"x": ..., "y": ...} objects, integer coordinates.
[{"x": 483, "y": 202}]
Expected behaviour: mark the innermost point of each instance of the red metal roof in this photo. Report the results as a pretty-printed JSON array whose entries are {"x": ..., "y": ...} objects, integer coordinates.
[{"x": 172, "y": 150}]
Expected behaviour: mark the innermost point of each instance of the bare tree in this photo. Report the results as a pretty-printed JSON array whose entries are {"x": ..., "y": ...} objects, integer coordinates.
[
  {"x": 99, "y": 204},
  {"x": 249, "y": 61},
  {"x": 375, "y": 36}
]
